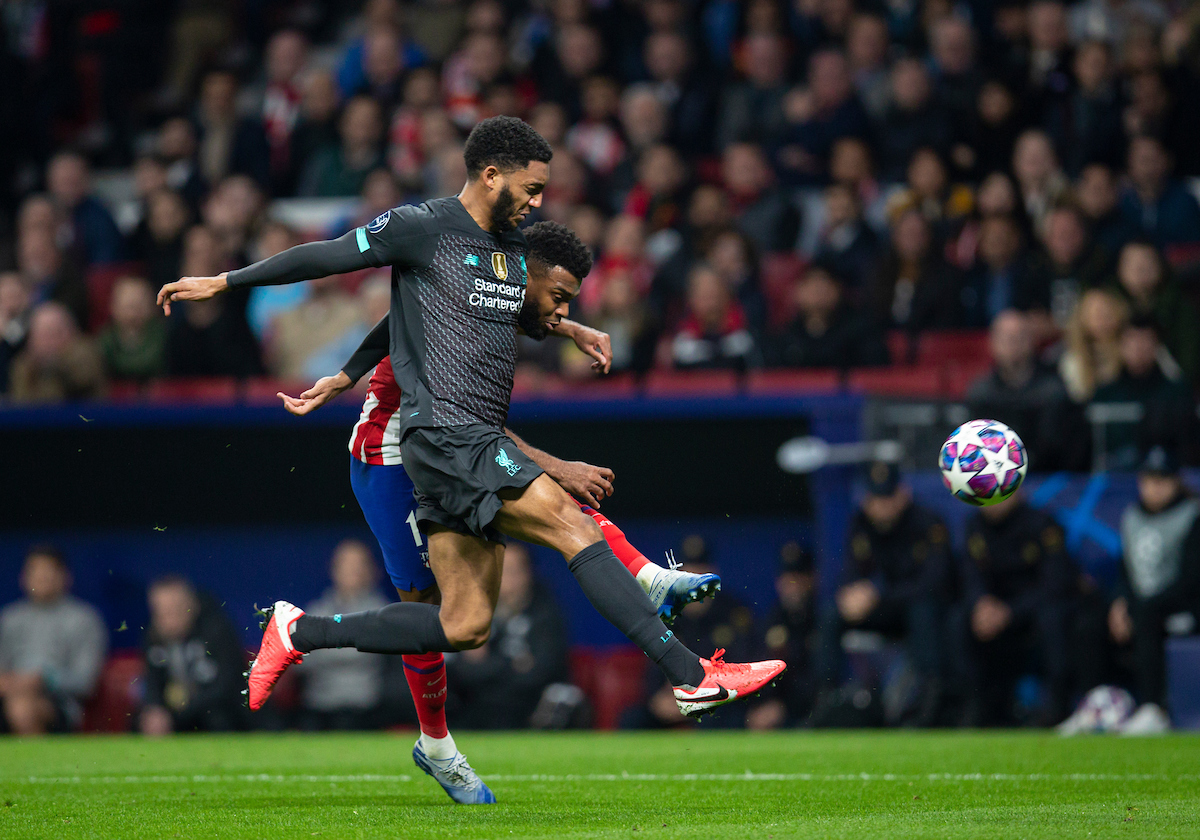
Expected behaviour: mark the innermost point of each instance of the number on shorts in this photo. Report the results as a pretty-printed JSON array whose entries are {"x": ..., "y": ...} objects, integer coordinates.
[{"x": 412, "y": 523}]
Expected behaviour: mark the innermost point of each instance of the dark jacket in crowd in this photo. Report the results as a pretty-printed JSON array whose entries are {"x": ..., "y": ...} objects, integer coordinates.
[
  {"x": 851, "y": 341},
  {"x": 1041, "y": 412},
  {"x": 910, "y": 561}
]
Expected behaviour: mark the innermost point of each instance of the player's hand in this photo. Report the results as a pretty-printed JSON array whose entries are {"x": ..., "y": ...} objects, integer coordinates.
[
  {"x": 322, "y": 391},
  {"x": 1120, "y": 624},
  {"x": 585, "y": 482},
  {"x": 192, "y": 288},
  {"x": 591, "y": 341}
]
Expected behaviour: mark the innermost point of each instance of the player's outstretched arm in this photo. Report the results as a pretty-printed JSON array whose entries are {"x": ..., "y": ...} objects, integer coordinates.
[
  {"x": 302, "y": 262},
  {"x": 370, "y": 353},
  {"x": 583, "y": 481},
  {"x": 591, "y": 341}
]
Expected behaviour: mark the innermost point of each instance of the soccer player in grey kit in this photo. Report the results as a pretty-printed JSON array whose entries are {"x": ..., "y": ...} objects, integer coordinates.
[{"x": 459, "y": 297}]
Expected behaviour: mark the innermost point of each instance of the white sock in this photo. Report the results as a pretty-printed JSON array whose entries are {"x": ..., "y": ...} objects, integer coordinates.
[
  {"x": 648, "y": 575},
  {"x": 439, "y": 749}
]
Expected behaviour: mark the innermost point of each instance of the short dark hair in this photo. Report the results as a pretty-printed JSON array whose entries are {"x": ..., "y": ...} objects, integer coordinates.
[
  {"x": 507, "y": 143},
  {"x": 50, "y": 552},
  {"x": 553, "y": 244}
]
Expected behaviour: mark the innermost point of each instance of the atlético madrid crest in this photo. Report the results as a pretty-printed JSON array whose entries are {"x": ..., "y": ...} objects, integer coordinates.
[{"x": 500, "y": 265}]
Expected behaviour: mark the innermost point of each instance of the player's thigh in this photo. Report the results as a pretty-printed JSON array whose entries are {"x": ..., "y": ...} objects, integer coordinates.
[
  {"x": 468, "y": 571},
  {"x": 543, "y": 513}
]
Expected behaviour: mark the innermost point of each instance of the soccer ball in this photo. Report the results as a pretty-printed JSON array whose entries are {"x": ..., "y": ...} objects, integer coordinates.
[
  {"x": 1104, "y": 709},
  {"x": 983, "y": 462}
]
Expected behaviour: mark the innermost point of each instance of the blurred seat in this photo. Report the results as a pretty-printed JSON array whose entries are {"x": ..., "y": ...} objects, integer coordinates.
[
  {"x": 940, "y": 346},
  {"x": 678, "y": 383},
  {"x": 922, "y": 381},
  {"x": 612, "y": 679},
  {"x": 899, "y": 345},
  {"x": 959, "y": 375},
  {"x": 798, "y": 381},
  {"x": 195, "y": 390},
  {"x": 263, "y": 391},
  {"x": 116, "y": 699}
]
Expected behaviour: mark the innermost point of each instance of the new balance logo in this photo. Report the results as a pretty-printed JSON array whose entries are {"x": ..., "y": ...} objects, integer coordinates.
[
  {"x": 507, "y": 463},
  {"x": 471, "y": 260}
]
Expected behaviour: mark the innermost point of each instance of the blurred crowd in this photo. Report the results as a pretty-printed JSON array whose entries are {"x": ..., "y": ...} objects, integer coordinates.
[
  {"x": 1002, "y": 627},
  {"x": 764, "y": 183}
]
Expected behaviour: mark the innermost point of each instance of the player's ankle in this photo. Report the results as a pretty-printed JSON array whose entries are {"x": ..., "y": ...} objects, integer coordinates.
[{"x": 438, "y": 749}]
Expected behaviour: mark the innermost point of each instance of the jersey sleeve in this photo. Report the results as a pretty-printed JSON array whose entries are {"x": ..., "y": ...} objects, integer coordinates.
[
  {"x": 404, "y": 237},
  {"x": 372, "y": 351},
  {"x": 303, "y": 262}
]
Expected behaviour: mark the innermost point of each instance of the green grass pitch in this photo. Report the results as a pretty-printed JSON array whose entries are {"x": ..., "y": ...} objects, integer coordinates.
[{"x": 670, "y": 785}]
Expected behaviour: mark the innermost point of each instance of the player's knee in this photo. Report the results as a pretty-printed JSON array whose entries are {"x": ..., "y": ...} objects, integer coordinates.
[{"x": 468, "y": 635}]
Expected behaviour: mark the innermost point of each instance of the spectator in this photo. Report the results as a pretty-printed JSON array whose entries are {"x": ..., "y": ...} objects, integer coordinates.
[
  {"x": 761, "y": 210},
  {"x": 200, "y": 30},
  {"x": 867, "y": 52},
  {"x": 1018, "y": 581},
  {"x": 1039, "y": 178},
  {"x": 714, "y": 332},
  {"x": 1027, "y": 396},
  {"x": 268, "y": 302},
  {"x": 316, "y": 128},
  {"x": 732, "y": 255},
  {"x": 14, "y": 322},
  {"x": 992, "y": 130},
  {"x": 1143, "y": 282},
  {"x": 58, "y": 362},
  {"x": 895, "y": 581},
  {"x": 957, "y": 81},
  {"x": 1067, "y": 264},
  {"x": 789, "y": 634},
  {"x": 342, "y": 688},
  {"x": 526, "y": 654},
  {"x": 158, "y": 241},
  {"x": 52, "y": 648},
  {"x": 1092, "y": 358},
  {"x": 928, "y": 189},
  {"x": 93, "y": 233},
  {"x": 1160, "y": 581},
  {"x": 914, "y": 120},
  {"x": 134, "y": 343},
  {"x": 657, "y": 197},
  {"x": 177, "y": 147},
  {"x": 1049, "y": 50},
  {"x": 914, "y": 289},
  {"x": 827, "y": 332},
  {"x": 380, "y": 194},
  {"x": 212, "y": 337},
  {"x": 49, "y": 276},
  {"x": 818, "y": 115},
  {"x": 623, "y": 314},
  {"x": 278, "y": 101},
  {"x": 847, "y": 246},
  {"x": 1158, "y": 207},
  {"x": 375, "y": 67},
  {"x": 624, "y": 251},
  {"x": 229, "y": 144},
  {"x": 683, "y": 89},
  {"x": 1001, "y": 278},
  {"x": 359, "y": 61},
  {"x": 194, "y": 663},
  {"x": 341, "y": 170},
  {"x": 1150, "y": 378},
  {"x": 595, "y": 139},
  {"x": 406, "y": 153},
  {"x": 231, "y": 212},
  {"x": 1085, "y": 123},
  {"x": 333, "y": 338},
  {"x": 1096, "y": 194},
  {"x": 752, "y": 109}
]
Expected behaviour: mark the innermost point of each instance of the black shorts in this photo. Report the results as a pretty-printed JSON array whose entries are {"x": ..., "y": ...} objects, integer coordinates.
[{"x": 458, "y": 472}]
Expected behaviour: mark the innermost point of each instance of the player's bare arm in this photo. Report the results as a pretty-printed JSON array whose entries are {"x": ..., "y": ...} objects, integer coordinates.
[{"x": 590, "y": 341}]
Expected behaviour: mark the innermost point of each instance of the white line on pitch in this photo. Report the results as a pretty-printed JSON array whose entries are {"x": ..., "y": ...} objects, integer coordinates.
[{"x": 621, "y": 777}]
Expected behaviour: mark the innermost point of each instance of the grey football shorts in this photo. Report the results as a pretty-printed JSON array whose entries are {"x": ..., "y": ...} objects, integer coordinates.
[{"x": 458, "y": 473}]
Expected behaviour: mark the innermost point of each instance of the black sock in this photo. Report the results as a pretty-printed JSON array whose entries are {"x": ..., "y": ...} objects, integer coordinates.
[
  {"x": 397, "y": 628},
  {"x": 619, "y": 598}
]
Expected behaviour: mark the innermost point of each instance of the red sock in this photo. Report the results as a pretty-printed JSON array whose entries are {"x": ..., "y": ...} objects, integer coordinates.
[
  {"x": 633, "y": 559},
  {"x": 426, "y": 675}
]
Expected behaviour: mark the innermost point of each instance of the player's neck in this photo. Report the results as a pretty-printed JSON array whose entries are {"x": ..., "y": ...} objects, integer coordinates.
[{"x": 475, "y": 203}]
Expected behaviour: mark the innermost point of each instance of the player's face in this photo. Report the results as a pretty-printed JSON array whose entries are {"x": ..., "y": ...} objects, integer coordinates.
[
  {"x": 548, "y": 296},
  {"x": 517, "y": 193}
]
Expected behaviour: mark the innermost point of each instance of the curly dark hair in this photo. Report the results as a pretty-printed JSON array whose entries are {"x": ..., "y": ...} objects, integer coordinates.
[
  {"x": 506, "y": 143},
  {"x": 553, "y": 244}
]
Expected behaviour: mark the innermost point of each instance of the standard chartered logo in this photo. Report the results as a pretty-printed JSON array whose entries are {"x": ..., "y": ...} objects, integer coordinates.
[{"x": 489, "y": 294}]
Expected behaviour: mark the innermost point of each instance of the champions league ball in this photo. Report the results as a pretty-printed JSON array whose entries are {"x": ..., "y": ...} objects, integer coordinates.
[{"x": 983, "y": 462}]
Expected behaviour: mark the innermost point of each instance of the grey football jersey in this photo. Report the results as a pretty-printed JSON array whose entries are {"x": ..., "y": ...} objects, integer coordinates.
[{"x": 456, "y": 293}]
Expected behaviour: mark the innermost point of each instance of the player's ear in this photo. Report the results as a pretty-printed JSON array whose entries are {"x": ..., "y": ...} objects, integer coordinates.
[{"x": 491, "y": 176}]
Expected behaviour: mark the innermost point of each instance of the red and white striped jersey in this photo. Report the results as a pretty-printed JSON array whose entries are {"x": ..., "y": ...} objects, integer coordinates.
[{"x": 376, "y": 435}]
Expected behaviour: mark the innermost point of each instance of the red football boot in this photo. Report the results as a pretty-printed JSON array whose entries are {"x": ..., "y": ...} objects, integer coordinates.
[
  {"x": 276, "y": 653},
  {"x": 724, "y": 682}
]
